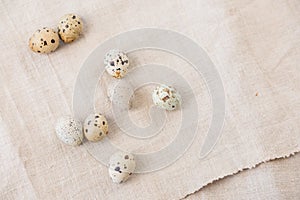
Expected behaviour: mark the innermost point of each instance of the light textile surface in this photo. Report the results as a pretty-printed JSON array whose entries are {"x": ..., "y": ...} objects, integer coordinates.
[
  {"x": 279, "y": 179},
  {"x": 254, "y": 45}
]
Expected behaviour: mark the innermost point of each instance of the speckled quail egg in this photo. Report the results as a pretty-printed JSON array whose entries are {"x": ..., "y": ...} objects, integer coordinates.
[
  {"x": 44, "y": 40},
  {"x": 116, "y": 63},
  {"x": 166, "y": 97},
  {"x": 95, "y": 127},
  {"x": 121, "y": 166},
  {"x": 69, "y": 130},
  {"x": 120, "y": 93},
  {"x": 70, "y": 27}
]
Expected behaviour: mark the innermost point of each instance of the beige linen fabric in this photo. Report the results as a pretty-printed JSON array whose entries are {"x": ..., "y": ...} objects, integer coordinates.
[
  {"x": 279, "y": 179},
  {"x": 254, "y": 45}
]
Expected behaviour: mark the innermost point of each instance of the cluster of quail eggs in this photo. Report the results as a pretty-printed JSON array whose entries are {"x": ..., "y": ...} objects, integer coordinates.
[
  {"x": 46, "y": 40},
  {"x": 116, "y": 64},
  {"x": 71, "y": 131},
  {"x": 95, "y": 127}
]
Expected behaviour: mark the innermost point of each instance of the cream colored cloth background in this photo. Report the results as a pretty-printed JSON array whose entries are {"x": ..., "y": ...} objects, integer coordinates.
[
  {"x": 278, "y": 179},
  {"x": 255, "y": 47}
]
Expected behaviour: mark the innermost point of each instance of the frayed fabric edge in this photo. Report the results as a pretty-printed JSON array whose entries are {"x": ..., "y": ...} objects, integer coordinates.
[{"x": 243, "y": 169}]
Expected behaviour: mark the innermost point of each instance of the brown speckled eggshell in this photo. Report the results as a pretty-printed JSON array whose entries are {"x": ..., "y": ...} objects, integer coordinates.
[
  {"x": 121, "y": 166},
  {"x": 44, "y": 40},
  {"x": 95, "y": 127},
  {"x": 69, "y": 28}
]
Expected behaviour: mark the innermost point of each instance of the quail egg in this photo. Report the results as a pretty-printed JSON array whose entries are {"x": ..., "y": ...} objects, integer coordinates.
[
  {"x": 69, "y": 130},
  {"x": 44, "y": 40},
  {"x": 121, "y": 166},
  {"x": 116, "y": 63},
  {"x": 95, "y": 127},
  {"x": 166, "y": 97},
  {"x": 70, "y": 27}
]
